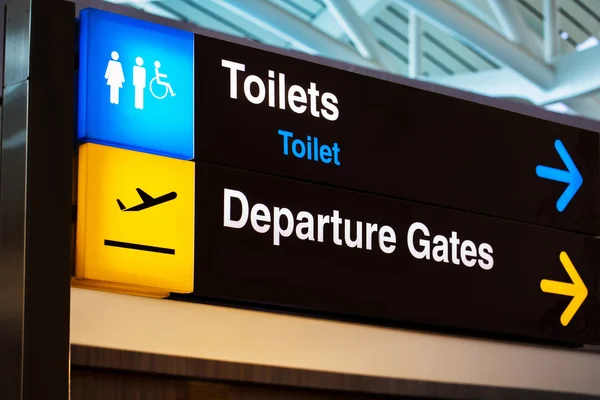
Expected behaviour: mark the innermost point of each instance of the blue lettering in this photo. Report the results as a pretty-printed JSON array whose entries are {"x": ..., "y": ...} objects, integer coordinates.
[
  {"x": 336, "y": 151},
  {"x": 310, "y": 149},
  {"x": 285, "y": 135},
  {"x": 302, "y": 151},
  {"x": 325, "y": 154}
]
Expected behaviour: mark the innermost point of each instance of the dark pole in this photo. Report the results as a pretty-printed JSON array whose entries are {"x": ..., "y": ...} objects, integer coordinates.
[{"x": 35, "y": 199}]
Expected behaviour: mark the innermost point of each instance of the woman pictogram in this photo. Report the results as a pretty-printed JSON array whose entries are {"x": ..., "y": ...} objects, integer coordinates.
[{"x": 114, "y": 77}]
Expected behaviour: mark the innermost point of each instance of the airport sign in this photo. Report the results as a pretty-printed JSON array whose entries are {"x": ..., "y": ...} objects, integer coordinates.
[{"x": 326, "y": 192}]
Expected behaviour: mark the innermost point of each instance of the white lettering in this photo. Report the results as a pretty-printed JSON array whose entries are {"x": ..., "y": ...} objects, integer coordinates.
[
  {"x": 440, "y": 250},
  {"x": 233, "y": 69},
  {"x": 329, "y": 101},
  {"x": 467, "y": 250},
  {"x": 277, "y": 231},
  {"x": 371, "y": 229},
  {"x": 387, "y": 239},
  {"x": 227, "y": 221},
  {"x": 347, "y": 233},
  {"x": 297, "y": 94},
  {"x": 260, "y": 213},
  {"x": 485, "y": 252},
  {"x": 304, "y": 224},
  {"x": 299, "y": 99},
  {"x": 449, "y": 249},
  {"x": 322, "y": 221},
  {"x": 305, "y": 228},
  {"x": 424, "y": 252},
  {"x": 260, "y": 97}
]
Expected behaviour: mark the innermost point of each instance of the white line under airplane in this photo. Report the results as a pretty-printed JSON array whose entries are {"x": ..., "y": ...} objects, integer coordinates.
[{"x": 147, "y": 201}]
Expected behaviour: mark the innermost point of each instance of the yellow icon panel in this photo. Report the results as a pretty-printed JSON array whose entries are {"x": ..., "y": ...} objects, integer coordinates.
[{"x": 135, "y": 222}]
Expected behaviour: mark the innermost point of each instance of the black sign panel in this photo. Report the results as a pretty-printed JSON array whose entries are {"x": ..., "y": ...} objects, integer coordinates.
[
  {"x": 268, "y": 240},
  {"x": 275, "y": 114}
]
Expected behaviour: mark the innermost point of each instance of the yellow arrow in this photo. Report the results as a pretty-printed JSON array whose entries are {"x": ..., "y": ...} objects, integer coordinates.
[{"x": 576, "y": 289}]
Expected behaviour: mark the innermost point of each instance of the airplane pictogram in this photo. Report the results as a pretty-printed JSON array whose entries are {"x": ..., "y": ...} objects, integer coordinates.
[{"x": 147, "y": 201}]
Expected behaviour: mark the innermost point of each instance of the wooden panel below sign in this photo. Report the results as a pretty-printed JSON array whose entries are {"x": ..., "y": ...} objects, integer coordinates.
[
  {"x": 101, "y": 385},
  {"x": 100, "y": 374}
]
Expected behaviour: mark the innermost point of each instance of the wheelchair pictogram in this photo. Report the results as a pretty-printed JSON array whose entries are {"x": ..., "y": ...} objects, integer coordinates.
[{"x": 157, "y": 81}]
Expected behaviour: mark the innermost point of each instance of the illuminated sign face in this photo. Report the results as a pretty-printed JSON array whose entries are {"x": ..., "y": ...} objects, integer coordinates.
[
  {"x": 136, "y": 85},
  {"x": 285, "y": 244},
  {"x": 135, "y": 219}
]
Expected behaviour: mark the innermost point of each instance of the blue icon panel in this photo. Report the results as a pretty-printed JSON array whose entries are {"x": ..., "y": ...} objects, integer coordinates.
[{"x": 136, "y": 85}]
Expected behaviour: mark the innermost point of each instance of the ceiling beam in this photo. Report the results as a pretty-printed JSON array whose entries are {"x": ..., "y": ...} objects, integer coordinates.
[
  {"x": 479, "y": 13},
  {"x": 325, "y": 21},
  {"x": 483, "y": 38},
  {"x": 550, "y": 30},
  {"x": 577, "y": 75},
  {"x": 294, "y": 30},
  {"x": 360, "y": 33},
  {"x": 513, "y": 25},
  {"x": 574, "y": 75},
  {"x": 585, "y": 106},
  {"x": 149, "y": 7},
  {"x": 414, "y": 45}
]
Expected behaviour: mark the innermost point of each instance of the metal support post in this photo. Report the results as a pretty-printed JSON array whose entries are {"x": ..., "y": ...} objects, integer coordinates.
[
  {"x": 550, "y": 30},
  {"x": 414, "y": 44},
  {"x": 35, "y": 199}
]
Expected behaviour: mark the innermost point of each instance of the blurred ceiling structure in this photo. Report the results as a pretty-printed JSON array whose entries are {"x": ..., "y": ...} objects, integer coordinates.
[{"x": 543, "y": 52}]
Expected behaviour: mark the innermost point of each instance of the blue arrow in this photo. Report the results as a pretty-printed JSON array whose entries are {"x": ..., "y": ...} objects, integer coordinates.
[{"x": 571, "y": 176}]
